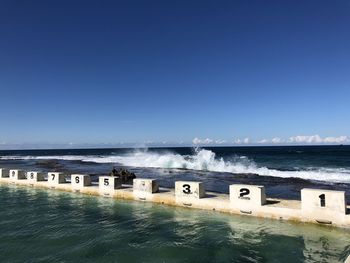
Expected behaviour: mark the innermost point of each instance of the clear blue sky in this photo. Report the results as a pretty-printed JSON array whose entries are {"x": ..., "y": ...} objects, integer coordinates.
[{"x": 137, "y": 71}]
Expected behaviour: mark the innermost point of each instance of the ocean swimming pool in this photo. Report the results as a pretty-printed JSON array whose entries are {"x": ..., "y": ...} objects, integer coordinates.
[{"x": 50, "y": 226}]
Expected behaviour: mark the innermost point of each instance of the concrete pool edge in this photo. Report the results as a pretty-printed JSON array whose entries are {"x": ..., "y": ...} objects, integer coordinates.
[{"x": 279, "y": 209}]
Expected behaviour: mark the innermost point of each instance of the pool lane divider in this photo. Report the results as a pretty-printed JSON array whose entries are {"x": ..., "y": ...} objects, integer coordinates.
[{"x": 326, "y": 207}]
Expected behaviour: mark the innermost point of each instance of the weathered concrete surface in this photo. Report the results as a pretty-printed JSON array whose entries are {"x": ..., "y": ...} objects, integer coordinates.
[
  {"x": 247, "y": 197},
  {"x": 273, "y": 208},
  {"x": 4, "y": 173},
  {"x": 107, "y": 184},
  {"x": 144, "y": 189},
  {"x": 33, "y": 177},
  {"x": 16, "y": 175},
  {"x": 324, "y": 206},
  {"x": 54, "y": 179},
  {"x": 188, "y": 189},
  {"x": 79, "y": 181}
]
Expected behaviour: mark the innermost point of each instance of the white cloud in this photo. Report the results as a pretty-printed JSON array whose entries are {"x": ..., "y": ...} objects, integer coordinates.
[
  {"x": 207, "y": 141},
  {"x": 299, "y": 139},
  {"x": 340, "y": 139},
  {"x": 241, "y": 141},
  {"x": 196, "y": 141},
  {"x": 312, "y": 139},
  {"x": 200, "y": 141},
  {"x": 246, "y": 140},
  {"x": 236, "y": 141},
  {"x": 277, "y": 140}
]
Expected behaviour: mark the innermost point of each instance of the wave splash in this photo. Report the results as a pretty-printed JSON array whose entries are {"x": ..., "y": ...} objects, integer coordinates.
[{"x": 203, "y": 160}]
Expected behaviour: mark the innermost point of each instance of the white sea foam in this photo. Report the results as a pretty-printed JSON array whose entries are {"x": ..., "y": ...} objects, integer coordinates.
[{"x": 204, "y": 160}]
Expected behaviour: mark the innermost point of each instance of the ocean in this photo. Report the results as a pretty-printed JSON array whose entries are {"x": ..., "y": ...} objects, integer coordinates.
[
  {"x": 282, "y": 170},
  {"x": 50, "y": 226}
]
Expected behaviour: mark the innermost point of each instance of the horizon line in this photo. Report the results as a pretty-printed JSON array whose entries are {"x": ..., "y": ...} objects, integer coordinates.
[{"x": 177, "y": 146}]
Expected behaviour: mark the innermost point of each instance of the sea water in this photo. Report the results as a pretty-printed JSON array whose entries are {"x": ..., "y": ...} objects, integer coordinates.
[
  {"x": 51, "y": 226},
  {"x": 283, "y": 170}
]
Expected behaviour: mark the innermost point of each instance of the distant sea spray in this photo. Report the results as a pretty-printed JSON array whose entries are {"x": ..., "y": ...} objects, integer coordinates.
[{"x": 200, "y": 160}]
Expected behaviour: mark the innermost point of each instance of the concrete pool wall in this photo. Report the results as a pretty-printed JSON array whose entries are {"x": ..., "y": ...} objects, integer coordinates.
[{"x": 318, "y": 206}]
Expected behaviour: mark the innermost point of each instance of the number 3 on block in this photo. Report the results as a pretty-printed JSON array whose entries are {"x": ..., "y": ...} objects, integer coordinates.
[{"x": 187, "y": 189}]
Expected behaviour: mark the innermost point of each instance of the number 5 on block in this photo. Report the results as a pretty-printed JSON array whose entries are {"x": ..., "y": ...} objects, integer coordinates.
[{"x": 107, "y": 184}]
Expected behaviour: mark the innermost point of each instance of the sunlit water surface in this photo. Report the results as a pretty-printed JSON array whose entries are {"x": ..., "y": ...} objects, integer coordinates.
[{"x": 52, "y": 226}]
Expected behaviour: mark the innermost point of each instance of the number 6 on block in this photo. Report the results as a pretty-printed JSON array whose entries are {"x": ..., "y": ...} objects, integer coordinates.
[
  {"x": 186, "y": 189},
  {"x": 79, "y": 181},
  {"x": 247, "y": 196}
]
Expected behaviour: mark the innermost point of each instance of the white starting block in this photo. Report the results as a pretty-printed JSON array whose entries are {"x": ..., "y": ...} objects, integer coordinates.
[
  {"x": 144, "y": 188},
  {"x": 79, "y": 181},
  {"x": 54, "y": 179},
  {"x": 247, "y": 197},
  {"x": 4, "y": 173},
  {"x": 16, "y": 175},
  {"x": 107, "y": 184},
  {"x": 323, "y": 205},
  {"x": 187, "y": 189},
  {"x": 33, "y": 177}
]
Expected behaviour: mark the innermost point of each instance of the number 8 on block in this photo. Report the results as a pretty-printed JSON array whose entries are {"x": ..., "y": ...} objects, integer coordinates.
[{"x": 35, "y": 177}]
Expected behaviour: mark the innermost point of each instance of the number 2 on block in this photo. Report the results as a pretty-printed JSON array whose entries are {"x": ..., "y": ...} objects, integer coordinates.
[{"x": 243, "y": 192}]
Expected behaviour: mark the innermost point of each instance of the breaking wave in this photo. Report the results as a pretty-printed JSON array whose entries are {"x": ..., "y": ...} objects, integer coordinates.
[{"x": 203, "y": 160}]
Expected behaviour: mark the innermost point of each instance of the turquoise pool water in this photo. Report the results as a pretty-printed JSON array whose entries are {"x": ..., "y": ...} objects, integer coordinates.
[{"x": 51, "y": 226}]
